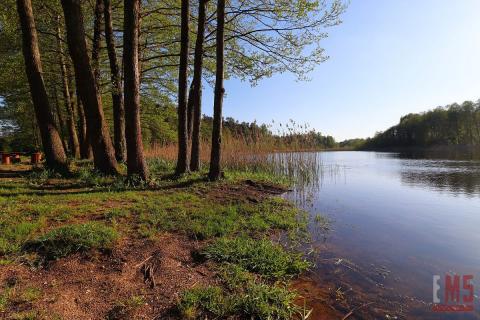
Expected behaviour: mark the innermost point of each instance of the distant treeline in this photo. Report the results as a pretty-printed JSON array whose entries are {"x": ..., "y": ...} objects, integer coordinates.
[
  {"x": 159, "y": 128},
  {"x": 452, "y": 125}
]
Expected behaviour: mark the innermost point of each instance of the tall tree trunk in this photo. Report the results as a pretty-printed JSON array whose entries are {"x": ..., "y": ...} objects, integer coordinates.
[
  {"x": 61, "y": 123},
  {"x": 52, "y": 143},
  {"x": 216, "y": 155},
  {"x": 196, "y": 95},
  {"x": 190, "y": 113},
  {"x": 182, "y": 160},
  {"x": 103, "y": 152},
  {"x": 69, "y": 103},
  {"x": 117, "y": 94},
  {"x": 86, "y": 151},
  {"x": 133, "y": 131},
  {"x": 96, "y": 43}
]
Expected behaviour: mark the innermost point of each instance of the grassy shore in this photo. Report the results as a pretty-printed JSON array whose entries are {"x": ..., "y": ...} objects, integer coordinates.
[{"x": 93, "y": 247}]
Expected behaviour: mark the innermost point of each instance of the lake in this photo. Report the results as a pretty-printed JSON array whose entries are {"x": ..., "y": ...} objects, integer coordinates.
[{"x": 393, "y": 221}]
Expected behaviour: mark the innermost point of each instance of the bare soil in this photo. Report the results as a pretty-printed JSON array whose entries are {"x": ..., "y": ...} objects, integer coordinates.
[{"x": 95, "y": 285}]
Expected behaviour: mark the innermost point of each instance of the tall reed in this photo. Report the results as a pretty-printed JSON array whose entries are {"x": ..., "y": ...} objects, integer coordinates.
[{"x": 301, "y": 168}]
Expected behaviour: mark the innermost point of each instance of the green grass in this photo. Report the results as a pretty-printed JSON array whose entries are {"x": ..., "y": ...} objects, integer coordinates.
[
  {"x": 126, "y": 308},
  {"x": 263, "y": 301},
  {"x": 252, "y": 273},
  {"x": 4, "y": 298},
  {"x": 74, "y": 238},
  {"x": 258, "y": 256},
  {"x": 204, "y": 301},
  {"x": 55, "y": 216},
  {"x": 14, "y": 296},
  {"x": 202, "y": 219},
  {"x": 25, "y": 315},
  {"x": 241, "y": 296},
  {"x": 30, "y": 294}
]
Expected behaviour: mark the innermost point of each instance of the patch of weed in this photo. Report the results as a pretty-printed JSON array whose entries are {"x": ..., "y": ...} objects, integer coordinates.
[
  {"x": 13, "y": 236},
  {"x": 124, "y": 310},
  {"x": 5, "y": 296},
  {"x": 256, "y": 301},
  {"x": 198, "y": 302},
  {"x": 187, "y": 212},
  {"x": 91, "y": 177},
  {"x": 30, "y": 294},
  {"x": 40, "y": 176},
  {"x": 25, "y": 315},
  {"x": 116, "y": 214},
  {"x": 73, "y": 238},
  {"x": 259, "y": 256},
  {"x": 263, "y": 301}
]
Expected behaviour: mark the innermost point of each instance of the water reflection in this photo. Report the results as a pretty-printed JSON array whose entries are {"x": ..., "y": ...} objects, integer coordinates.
[
  {"x": 444, "y": 176},
  {"x": 397, "y": 220}
]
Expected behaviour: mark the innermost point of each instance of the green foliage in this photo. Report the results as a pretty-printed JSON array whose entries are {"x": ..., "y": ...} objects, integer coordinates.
[
  {"x": 352, "y": 144},
  {"x": 73, "y": 238},
  {"x": 259, "y": 256},
  {"x": 451, "y": 125}
]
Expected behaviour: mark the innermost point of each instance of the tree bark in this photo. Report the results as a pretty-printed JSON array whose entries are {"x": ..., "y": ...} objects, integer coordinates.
[
  {"x": 190, "y": 113},
  {"x": 103, "y": 152},
  {"x": 216, "y": 154},
  {"x": 96, "y": 43},
  {"x": 61, "y": 123},
  {"x": 133, "y": 131},
  {"x": 182, "y": 160},
  {"x": 86, "y": 151},
  {"x": 117, "y": 93},
  {"x": 69, "y": 103},
  {"x": 52, "y": 143},
  {"x": 196, "y": 95}
]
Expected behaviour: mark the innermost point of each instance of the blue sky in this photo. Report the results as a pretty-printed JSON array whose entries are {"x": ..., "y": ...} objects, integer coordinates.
[{"x": 387, "y": 59}]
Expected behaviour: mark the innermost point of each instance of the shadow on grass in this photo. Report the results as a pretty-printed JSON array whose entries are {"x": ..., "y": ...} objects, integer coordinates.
[
  {"x": 13, "y": 173},
  {"x": 167, "y": 182}
]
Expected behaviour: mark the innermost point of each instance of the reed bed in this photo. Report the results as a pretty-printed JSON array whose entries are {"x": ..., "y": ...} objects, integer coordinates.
[{"x": 301, "y": 166}]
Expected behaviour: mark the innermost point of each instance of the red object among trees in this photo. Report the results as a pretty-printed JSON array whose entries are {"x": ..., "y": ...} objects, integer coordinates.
[
  {"x": 35, "y": 158},
  {"x": 6, "y": 159}
]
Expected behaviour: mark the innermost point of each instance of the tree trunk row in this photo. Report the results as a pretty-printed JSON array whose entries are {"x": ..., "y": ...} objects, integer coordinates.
[{"x": 93, "y": 134}]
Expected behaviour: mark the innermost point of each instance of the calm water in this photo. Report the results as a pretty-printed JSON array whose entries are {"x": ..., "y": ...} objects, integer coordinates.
[{"x": 395, "y": 221}]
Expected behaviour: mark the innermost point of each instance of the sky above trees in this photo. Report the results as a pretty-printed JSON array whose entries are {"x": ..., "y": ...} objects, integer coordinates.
[{"x": 387, "y": 59}]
